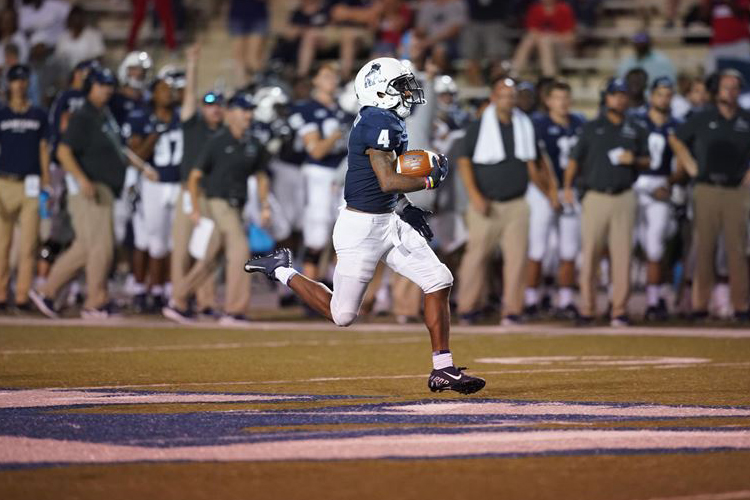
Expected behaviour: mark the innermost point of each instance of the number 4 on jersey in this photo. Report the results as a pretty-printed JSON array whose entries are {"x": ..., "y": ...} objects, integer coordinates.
[{"x": 383, "y": 139}]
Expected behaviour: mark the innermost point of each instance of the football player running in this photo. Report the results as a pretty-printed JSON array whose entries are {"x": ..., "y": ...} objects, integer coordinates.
[{"x": 378, "y": 222}]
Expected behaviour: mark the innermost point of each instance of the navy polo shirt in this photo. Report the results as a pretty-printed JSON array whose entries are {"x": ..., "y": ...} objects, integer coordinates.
[{"x": 20, "y": 135}]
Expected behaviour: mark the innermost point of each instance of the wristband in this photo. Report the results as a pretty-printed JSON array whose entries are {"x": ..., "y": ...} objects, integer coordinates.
[{"x": 428, "y": 184}]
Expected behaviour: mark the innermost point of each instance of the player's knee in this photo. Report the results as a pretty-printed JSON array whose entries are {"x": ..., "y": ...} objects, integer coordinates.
[
  {"x": 342, "y": 318},
  {"x": 442, "y": 278},
  {"x": 157, "y": 249},
  {"x": 654, "y": 251}
]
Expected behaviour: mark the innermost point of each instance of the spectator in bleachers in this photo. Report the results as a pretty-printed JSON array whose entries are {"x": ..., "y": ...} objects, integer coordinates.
[
  {"x": 550, "y": 32},
  {"x": 586, "y": 11},
  {"x": 79, "y": 42},
  {"x": 482, "y": 38},
  {"x": 248, "y": 25},
  {"x": 43, "y": 21},
  {"x": 438, "y": 29},
  {"x": 9, "y": 33},
  {"x": 693, "y": 97},
  {"x": 655, "y": 63},
  {"x": 166, "y": 16},
  {"x": 730, "y": 23},
  {"x": 353, "y": 23},
  {"x": 395, "y": 18}
]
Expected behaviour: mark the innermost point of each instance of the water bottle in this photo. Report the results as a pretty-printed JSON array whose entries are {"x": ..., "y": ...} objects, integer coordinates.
[{"x": 44, "y": 212}]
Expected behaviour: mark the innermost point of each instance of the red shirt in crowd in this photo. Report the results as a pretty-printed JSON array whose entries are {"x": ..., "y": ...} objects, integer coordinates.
[
  {"x": 729, "y": 26},
  {"x": 558, "y": 20}
]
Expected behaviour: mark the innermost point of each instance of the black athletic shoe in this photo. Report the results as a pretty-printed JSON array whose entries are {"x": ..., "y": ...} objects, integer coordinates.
[
  {"x": 140, "y": 303},
  {"x": 281, "y": 257},
  {"x": 569, "y": 312},
  {"x": 531, "y": 311},
  {"x": 584, "y": 321},
  {"x": 454, "y": 379}
]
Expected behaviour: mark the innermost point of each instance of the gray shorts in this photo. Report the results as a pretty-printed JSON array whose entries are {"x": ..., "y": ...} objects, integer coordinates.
[{"x": 485, "y": 40}]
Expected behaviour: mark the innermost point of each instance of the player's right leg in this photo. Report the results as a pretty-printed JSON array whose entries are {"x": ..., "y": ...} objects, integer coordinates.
[{"x": 540, "y": 224}]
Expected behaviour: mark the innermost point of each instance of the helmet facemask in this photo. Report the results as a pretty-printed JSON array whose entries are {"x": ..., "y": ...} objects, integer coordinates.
[{"x": 407, "y": 89}]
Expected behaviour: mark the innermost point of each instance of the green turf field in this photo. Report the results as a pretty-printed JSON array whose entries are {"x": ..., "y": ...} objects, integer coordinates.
[{"x": 146, "y": 411}]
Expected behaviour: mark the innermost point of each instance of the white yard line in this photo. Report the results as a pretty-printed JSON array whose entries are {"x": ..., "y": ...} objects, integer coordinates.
[
  {"x": 538, "y": 329},
  {"x": 729, "y": 495}
]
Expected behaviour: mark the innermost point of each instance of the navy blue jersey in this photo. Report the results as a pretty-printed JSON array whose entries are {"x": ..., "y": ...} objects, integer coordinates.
[
  {"x": 658, "y": 145},
  {"x": 121, "y": 107},
  {"x": 168, "y": 150},
  {"x": 557, "y": 140},
  {"x": 377, "y": 129},
  {"x": 20, "y": 135},
  {"x": 324, "y": 120},
  {"x": 67, "y": 102}
]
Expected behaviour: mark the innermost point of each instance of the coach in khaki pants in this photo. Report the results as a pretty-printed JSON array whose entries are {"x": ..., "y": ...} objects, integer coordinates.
[
  {"x": 720, "y": 140},
  {"x": 496, "y": 161},
  {"x": 90, "y": 151},
  {"x": 609, "y": 153},
  {"x": 228, "y": 160}
]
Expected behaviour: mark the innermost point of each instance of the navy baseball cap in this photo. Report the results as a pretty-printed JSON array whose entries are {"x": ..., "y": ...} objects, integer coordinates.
[
  {"x": 616, "y": 85},
  {"x": 102, "y": 76},
  {"x": 641, "y": 37},
  {"x": 662, "y": 81},
  {"x": 526, "y": 86},
  {"x": 241, "y": 100},
  {"x": 18, "y": 72},
  {"x": 87, "y": 64},
  {"x": 213, "y": 98}
]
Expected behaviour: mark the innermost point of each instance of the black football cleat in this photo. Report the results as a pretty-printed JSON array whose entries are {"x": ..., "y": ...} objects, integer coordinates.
[
  {"x": 454, "y": 379},
  {"x": 267, "y": 264}
]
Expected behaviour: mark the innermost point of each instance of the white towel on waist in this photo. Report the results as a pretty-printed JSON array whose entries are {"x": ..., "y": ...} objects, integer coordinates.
[{"x": 490, "y": 148}]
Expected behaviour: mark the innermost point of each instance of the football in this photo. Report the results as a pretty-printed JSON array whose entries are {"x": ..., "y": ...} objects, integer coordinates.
[{"x": 415, "y": 163}]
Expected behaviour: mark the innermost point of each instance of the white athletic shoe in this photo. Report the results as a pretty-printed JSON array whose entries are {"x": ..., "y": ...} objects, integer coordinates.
[{"x": 235, "y": 320}]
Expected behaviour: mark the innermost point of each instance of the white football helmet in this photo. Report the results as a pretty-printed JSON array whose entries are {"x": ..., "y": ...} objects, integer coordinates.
[
  {"x": 388, "y": 84},
  {"x": 174, "y": 76},
  {"x": 348, "y": 99},
  {"x": 136, "y": 59},
  {"x": 267, "y": 100},
  {"x": 444, "y": 84}
]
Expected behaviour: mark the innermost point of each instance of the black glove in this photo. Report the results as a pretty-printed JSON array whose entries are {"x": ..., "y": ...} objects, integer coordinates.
[
  {"x": 439, "y": 171},
  {"x": 417, "y": 218}
]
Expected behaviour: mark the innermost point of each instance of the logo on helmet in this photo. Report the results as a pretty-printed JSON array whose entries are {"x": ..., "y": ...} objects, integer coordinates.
[{"x": 373, "y": 77}]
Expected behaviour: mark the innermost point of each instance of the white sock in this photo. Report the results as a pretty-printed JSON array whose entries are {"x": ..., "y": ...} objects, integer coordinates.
[
  {"x": 442, "y": 360},
  {"x": 138, "y": 288},
  {"x": 157, "y": 291},
  {"x": 531, "y": 296},
  {"x": 652, "y": 295},
  {"x": 284, "y": 274},
  {"x": 564, "y": 297}
]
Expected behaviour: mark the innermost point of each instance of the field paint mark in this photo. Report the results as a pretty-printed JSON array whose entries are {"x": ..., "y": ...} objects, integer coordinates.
[
  {"x": 729, "y": 495},
  {"x": 537, "y": 329},
  {"x": 23, "y": 450},
  {"x": 388, "y": 377},
  {"x": 594, "y": 360},
  {"x": 217, "y": 346},
  {"x": 33, "y": 398}
]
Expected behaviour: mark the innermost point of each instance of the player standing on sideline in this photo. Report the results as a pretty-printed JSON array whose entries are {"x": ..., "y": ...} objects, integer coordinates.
[
  {"x": 653, "y": 190},
  {"x": 379, "y": 223},
  {"x": 155, "y": 135},
  {"x": 325, "y": 145},
  {"x": 557, "y": 132}
]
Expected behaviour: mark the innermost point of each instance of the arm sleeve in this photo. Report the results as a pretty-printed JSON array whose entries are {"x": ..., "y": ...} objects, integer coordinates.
[
  {"x": 686, "y": 132},
  {"x": 78, "y": 133},
  {"x": 466, "y": 146},
  {"x": 580, "y": 150},
  {"x": 381, "y": 136}
]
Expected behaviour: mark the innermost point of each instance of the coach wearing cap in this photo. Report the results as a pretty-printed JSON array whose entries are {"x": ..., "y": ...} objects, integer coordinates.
[
  {"x": 229, "y": 158},
  {"x": 610, "y": 151},
  {"x": 497, "y": 159},
  {"x": 90, "y": 150},
  {"x": 24, "y": 172},
  {"x": 718, "y": 158},
  {"x": 198, "y": 126}
]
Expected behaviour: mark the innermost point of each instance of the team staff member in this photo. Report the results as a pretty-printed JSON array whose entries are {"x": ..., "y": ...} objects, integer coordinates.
[
  {"x": 90, "y": 150},
  {"x": 198, "y": 126},
  {"x": 228, "y": 160},
  {"x": 24, "y": 171},
  {"x": 496, "y": 161},
  {"x": 720, "y": 140},
  {"x": 609, "y": 153}
]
